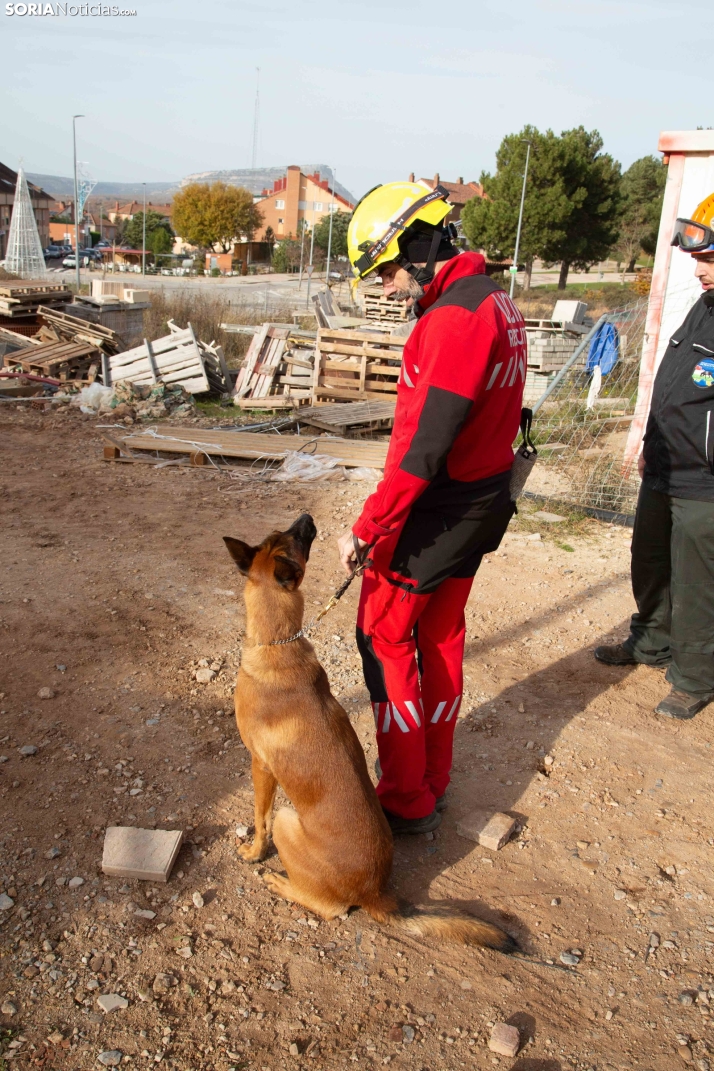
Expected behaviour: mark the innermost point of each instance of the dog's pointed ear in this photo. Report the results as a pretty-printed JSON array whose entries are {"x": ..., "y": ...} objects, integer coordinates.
[
  {"x": 287, "y": 573},
  {"x": 241, "y": 553}
]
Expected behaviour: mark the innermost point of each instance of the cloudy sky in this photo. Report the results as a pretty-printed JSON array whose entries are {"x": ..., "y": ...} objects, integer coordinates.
[{"x": 375, "y": 88}]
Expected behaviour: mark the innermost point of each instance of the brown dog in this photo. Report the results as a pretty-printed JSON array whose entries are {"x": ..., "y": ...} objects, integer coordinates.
[{"x": 336, "y": 845}]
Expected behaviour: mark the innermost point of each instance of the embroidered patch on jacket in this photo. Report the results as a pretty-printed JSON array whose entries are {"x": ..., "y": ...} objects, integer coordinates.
[{"x": 703, "y": 374}]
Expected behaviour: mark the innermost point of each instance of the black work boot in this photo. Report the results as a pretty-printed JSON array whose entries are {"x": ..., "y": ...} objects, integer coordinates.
[
  {"x": 615, "y": 655},
  {"x": 681, "y": 705},
  {"x": 398, "y": 825}
]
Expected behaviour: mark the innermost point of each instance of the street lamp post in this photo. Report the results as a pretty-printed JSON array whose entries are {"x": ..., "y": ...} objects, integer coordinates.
[
  {"x": 143, "y": 238},
  {"x": 514, "y": 269},
  {"x": 310, "y": 265},
  {"x": 76, "y": 199}
]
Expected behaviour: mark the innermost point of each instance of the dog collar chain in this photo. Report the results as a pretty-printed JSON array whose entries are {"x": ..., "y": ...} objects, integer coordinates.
[{"x": 279, "y": 643}]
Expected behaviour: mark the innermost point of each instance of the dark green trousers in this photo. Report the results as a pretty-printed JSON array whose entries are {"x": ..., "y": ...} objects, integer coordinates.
[{"x": 673, "y": 585}]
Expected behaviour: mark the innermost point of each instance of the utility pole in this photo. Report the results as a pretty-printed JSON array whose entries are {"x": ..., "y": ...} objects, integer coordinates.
[
  {"x": 329, "y": 234},
  {"x": 76, "y": 200},
  {"x": 310, "y": 265},
  {"x": 514, "y": 269},
  {"x": 302, "y": 251},
  {"x": 143, "y": 238},
  {"x": 256, "y": 114}
]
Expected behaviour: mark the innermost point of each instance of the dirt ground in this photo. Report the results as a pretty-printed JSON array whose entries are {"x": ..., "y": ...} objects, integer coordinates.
[{"x": 115, "y": 583}]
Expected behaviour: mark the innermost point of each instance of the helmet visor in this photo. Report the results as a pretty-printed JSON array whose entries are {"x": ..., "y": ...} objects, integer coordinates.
[{"x": 692, "y": 237}]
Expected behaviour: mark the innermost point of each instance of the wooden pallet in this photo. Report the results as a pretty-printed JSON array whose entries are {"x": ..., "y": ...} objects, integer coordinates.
[
  {"x": 353, "y": 417},
  {"x": 255, "y": 446},
  {"x": 277, "y": 370},
  {"x": 355, "y": 366},
  {"x": 66, "y": 361},
  {"x": 175, "y": 358},
  {"x": 22, "y": 298},
  {"x": 74, "y": 327},
  {"x": 378, "y": 307}
]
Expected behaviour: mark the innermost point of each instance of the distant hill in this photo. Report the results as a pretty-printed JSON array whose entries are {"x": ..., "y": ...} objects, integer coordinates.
[
  {"x": 253, "y": 179},
  {"x": 260, "y": 178},
  {"x": 60, "y": 186}
]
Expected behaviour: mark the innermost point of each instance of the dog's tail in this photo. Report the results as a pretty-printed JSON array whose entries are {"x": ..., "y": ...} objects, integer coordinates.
[{"x": 446, "y": 922}]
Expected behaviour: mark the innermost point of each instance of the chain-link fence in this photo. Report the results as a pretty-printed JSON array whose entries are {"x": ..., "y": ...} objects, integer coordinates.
[{"x": 582, "y": 419}]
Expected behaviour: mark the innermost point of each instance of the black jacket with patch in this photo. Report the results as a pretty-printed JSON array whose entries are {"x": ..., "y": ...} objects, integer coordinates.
[{"x": 679, "y": 440}]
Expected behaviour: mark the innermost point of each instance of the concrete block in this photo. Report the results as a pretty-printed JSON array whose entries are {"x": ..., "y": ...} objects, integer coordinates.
[
  {"x": 549, "y": 518},
  {"x": 148, "y": 854},
  {"x": 487, "y": 829},
  {"x": 505, "y": 1040}
]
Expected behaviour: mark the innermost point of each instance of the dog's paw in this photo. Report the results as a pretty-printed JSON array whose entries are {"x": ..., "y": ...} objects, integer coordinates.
[
  {"x": 253, "y": 853},
  {"x": 277, "y": 884}
]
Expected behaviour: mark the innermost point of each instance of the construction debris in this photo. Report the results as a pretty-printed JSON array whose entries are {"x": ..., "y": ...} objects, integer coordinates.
[
  {"x": 177, "y": 358},
  {"x": 277, "y": 370},
  {"x": 129, "y": 402},
  {"x": 356, "y": 366},
  {"x": 58, "y": 325},
  {"x": 146, "y": 854},
  {"x": 202, "y": 445},
  {"x": 24, "y": 297}
]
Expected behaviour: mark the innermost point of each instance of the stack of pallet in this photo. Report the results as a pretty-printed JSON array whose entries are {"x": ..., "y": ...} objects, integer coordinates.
[
  {"x": 57, "y": 326},
  {"x": 71, "y": 363},
  {"x": 21, "y": 298},
  {"x": 178, "y": 357},
  {"x": 277, "y": 370},
  {"x": 355, "y": 366},
  {"x": 380, "y": 309}
]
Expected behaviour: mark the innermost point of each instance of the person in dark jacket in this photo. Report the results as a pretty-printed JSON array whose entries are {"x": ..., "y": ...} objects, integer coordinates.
[
  {"x": 673, "y": 539},
  {"x": 444, "y": 500}
]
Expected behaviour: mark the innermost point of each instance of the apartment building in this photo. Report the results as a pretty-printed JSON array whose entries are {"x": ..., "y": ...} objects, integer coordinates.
[{"x": 297, "y": 200}]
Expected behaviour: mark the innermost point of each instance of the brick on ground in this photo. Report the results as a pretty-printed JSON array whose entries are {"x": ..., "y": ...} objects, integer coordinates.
[
  {"x": 486, "y": 828},
  {"x": 148, "y": 854},
  {"x": 505, "y": 1040}
]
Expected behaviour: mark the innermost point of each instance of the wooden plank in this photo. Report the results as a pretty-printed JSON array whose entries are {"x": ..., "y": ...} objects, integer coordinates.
[
  {"x": 256, "y": 445},
  {"x": 254, "y": 350}
]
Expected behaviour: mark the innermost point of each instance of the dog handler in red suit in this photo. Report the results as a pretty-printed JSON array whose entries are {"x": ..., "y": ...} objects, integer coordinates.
[{"x": 444, "y": 500}]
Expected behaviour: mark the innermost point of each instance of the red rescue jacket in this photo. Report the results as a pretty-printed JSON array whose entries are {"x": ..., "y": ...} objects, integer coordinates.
[{"x": 459, "y": 398}]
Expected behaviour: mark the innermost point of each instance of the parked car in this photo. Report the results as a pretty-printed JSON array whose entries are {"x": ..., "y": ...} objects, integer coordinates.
[
  {"x": 86, "y": 257},
  {"x": 53, "y": 252}
]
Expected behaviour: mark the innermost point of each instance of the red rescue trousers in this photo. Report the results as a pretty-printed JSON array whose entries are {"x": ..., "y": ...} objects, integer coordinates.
[{"x": 415, "y": 718}]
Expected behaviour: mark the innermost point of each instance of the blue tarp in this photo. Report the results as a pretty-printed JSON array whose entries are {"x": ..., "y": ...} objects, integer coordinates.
[{"x": 604, "y": 349}]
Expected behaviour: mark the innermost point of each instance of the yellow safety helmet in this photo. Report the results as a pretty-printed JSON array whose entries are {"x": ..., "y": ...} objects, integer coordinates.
[
  {"x": 385, "y": 216},
  {"x": 696, "y": 235}
]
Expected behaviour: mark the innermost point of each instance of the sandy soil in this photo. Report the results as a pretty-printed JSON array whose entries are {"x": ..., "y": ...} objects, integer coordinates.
[{"x": 115, "y": 584}]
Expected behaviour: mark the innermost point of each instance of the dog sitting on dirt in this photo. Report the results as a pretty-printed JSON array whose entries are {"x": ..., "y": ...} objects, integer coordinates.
[{"x": 336, "y": 845}]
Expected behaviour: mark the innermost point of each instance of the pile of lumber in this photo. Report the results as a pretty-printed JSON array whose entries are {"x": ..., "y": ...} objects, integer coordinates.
[
  {"x": 380, "y": 309},
  {"x": 277, "y": 371},
  {"x": 328, "y": 315},
  {"x": 202, "y": 444},
  {"x": 73, "y": 363},
  {"x": 58, "y": 326},
  {"x": 350, "y": 419},
  {"x": 178, "y": 357},
  {"x": 24, "y": 296},
  {"x": 356, "y": 366}
]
